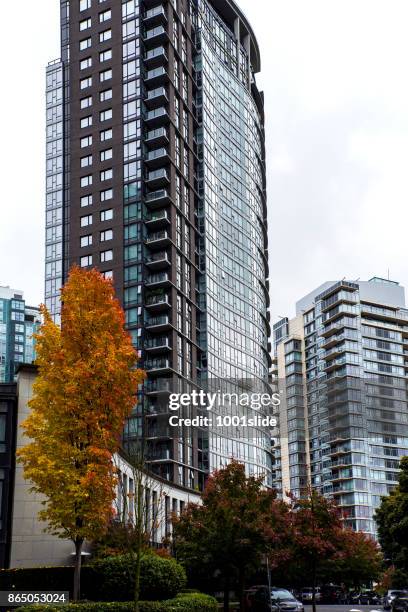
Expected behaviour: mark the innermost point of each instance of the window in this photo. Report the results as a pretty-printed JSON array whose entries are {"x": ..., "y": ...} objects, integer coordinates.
[
  {"x": 105, "y": 95},
  {"x": 86, "y": 161},
  {"x": 86, "y": 102},
  {"x": 106, "y": 115},
  {"x": 84, "y": 5},
  {"x": 86, "y": 220},
  {"x": 86, "y": 141},
  {"x": 86, "y": 181},
  {"x": 84, "y": 44},
  {"x": 107, "y": 194},
  {"x": 106, "y": 256},
  {"x": 105, "y": 75},
  {"x": 106, "y": 135},
  {"x": 105, "y": 56},
  {"x": 86, "y": 201},
  {"x": 104, "y": 36},
  {"x": 107, "y": 154},
  {"x": 86, "y": 241},
  {"x": 106, "y": 175},
  {"x": 85, "y": 63},
  {"x": 107, "y": 215},
  {"x": 86, "y": 261},
  {"x": 105, "y": 16},
  {"x": 86, "y": 122},
  {"x": 85, "y": 24},
  {"x": 108, "y": 274},
  {"x": 87, "y": 82},
  {"x": 106, "y": 235}
]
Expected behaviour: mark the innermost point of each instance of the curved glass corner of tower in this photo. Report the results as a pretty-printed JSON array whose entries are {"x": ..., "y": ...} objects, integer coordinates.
[{"x": 232, "y": 214}]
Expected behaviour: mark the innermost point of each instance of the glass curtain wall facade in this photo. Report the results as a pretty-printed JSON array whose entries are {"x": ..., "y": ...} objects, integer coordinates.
[
  {"x": 232, "y": 217},
  {"x": 155, "y": 196},
  {"x": 351, "y": 357}
]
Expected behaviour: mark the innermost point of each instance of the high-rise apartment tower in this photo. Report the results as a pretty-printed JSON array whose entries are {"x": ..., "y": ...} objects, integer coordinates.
[
  {"x": 342, "y": 364},
  {"x": 156, "y": 176}
]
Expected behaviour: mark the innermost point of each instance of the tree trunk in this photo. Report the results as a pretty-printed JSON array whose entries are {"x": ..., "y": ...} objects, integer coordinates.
[
  {"x": 314, "y": 586},
  {"x": 77, "y": 570},
  {"x": 226, "y": 593},
  {"x": 242, "y": 604}
]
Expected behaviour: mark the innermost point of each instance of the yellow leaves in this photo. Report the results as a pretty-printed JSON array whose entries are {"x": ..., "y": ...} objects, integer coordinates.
[{"x": 83, "y": 394}]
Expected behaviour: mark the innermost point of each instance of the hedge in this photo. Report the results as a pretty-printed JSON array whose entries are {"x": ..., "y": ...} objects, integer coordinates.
[
  {"x": 194, "y": 602},
  {"x": 106, "y": 580}
]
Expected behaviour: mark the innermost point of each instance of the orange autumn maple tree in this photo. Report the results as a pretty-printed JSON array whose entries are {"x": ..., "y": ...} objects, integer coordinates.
[{"x": 83, "y": 394}]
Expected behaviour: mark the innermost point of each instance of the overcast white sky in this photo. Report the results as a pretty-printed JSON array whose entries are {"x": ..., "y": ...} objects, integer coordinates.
[{"x": 336, "y": 89}]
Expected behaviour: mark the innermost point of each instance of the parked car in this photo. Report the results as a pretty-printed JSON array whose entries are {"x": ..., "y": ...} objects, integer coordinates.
[
  {"x": 400, "y": 603},
  {"x": 276, "y": 600},
  {"x": 332, "y": 594},
  {"x": 391, "y": 595},
  {"x": 367, "y": 598},
  {"x": 307, "y": 594}
]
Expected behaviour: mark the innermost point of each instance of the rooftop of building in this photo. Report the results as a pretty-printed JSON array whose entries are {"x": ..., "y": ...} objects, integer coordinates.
[
  {"x": 377, "y": 290},
  {"x": 7, "y": 293}
]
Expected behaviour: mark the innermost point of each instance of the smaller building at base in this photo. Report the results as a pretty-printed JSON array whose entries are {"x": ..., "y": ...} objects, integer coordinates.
[{"x": 23, "y": 542}]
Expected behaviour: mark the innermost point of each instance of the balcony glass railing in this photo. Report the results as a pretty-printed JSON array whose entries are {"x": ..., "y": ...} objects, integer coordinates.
[
  {"x": 162, "y": 256},
  {"x": 157, "y": 364},
  {"x": 156, "y": 72},
  {"x": 161, "y": 384},
  {"x": 155, "y": 93},
  {"x": 153, "y": 32},
  {"x": 158, "y": 133},
  {"x": 156, "y": 113},
  {"x": 163, "y": 235},
  {"x": 156, "y": 52},
  {"x": 156, "y": 321},
  {"x": 157, "y": 278},
  {"x": 154, "y": 300},
  {"x": 156, "y": 154},
  {"x": 160, "y": 215},
  {"x": 157, "y": 174},
  {"x": 152, "y": 343},
  {"x": 156, "y": 195},
  {"x": 155, "y": 12}
]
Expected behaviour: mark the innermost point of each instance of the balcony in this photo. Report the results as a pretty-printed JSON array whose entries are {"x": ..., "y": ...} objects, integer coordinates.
[
  {"x": 157, "y": 199},
  {"x": 158, "y": 280},
  {"x": 155, "y": 15},
  {"x": 156, "y": 77},
  {"x": 158, "y": 239},
  {"x": 155, "y": 35},
  {"x": 159, "y": 365},
  {"x": 155, "y": 57},
  {"x": 158, "y": 261},
  {"x": 157, "y": 137},
  {"x": 156, "y": 97},
  {"x": 157, "y": 117},
  {"x": 157, "y": 345},
  {"x": 159, "y": 385},
  {"x": 157, "y": 220},
  {"x": 158, "y": 324},
  {"x": 157, "y": 158},
  {"x": 157, "y": 178},
  {"x": 157, "y": 303}
]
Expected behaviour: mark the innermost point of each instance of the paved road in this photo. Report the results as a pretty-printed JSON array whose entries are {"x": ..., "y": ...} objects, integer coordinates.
[{"x": 347, "y": 608}]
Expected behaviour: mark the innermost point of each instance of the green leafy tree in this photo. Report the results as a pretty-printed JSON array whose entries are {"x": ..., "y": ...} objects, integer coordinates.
[
  {"x": 230, "y": 533},
  {"x": 392, "y": 521}
]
